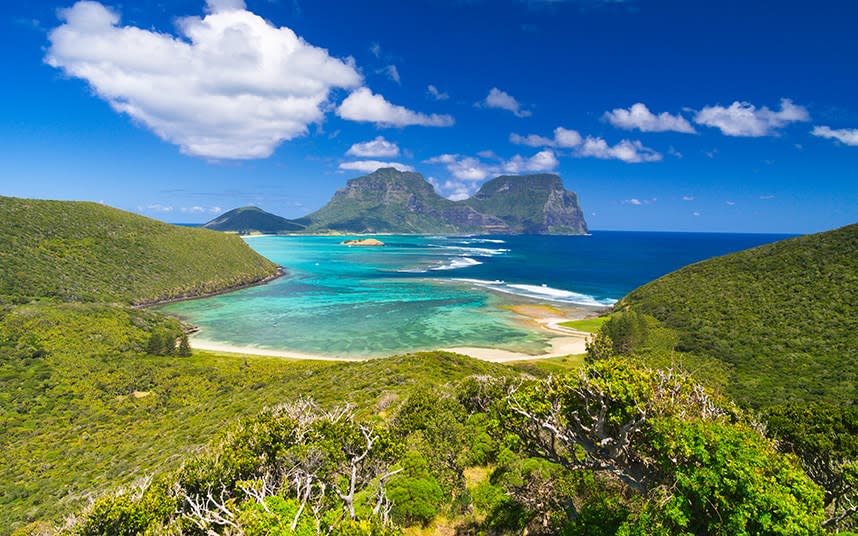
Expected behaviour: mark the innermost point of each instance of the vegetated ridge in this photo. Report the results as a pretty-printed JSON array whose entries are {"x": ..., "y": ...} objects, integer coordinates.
[
  {"x": 783, "y": 316},
  {"x": 80, "y": 251},
  {"x": 392, "y": 201}
]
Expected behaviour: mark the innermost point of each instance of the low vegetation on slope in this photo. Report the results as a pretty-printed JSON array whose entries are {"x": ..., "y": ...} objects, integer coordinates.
[
  {"x": 84, "y": 409},
  {"x": 783, "y": 316},
  {"x": 77, "y": 251},
  {"x": 615, "y": 450}
]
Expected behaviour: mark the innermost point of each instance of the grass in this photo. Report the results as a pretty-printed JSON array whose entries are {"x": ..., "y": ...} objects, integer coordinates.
[
  {"x": 589, "y": 325},
  {"x": 78, "y": 251}
]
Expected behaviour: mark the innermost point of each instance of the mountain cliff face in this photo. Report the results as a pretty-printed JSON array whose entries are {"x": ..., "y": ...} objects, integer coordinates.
[
  {"x": 248, "y": 220},
  {"x": 532, "y": 204},
  {"x": 388, "y": 200}
]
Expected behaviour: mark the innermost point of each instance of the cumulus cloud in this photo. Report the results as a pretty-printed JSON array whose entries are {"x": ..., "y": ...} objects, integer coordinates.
[
  {"x": 503, "y": 100},
  {"x": 641, "y": 118},
  {"x": 744, "y": 119},
  {"x": 469, "y": 168},
  {"x": 631, "y": 152},
  {"x": 368, "y": 166},
  {"x": 436, "y": 93},
  {"x": 468, "y": 172},
  {"x": 156, "y": 207},
  {"x": 563, "y": 138},
  {"x": 379, "y": 147},
  {"x": 363, "y": 105},
  {"x": 633, "y": 201},
  {"x": 846, "y": 136},
  {"x": 196, "y": 209},
  {"x": 229, "y": 86}
]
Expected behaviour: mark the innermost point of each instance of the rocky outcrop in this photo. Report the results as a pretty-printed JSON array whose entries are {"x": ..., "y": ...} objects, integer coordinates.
[{"x": 363, "y": 242}]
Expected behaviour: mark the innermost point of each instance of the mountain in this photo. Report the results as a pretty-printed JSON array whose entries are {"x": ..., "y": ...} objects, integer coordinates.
[
  {"x": 533, "y": 204},
  {"x": 389, "y": 200},
  {"x": 250, "y": 220},
  {"x": 78, "y": 251},
  {"x": 784, "y": 316}
]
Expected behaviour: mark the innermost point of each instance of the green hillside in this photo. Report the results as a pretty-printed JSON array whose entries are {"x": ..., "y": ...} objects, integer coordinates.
[
  {"x": 90, "y": 252},
  {"x": 784, "y": 316},
  {"x": 252, "y": 220},
  {"x": 83, "y": 408}
]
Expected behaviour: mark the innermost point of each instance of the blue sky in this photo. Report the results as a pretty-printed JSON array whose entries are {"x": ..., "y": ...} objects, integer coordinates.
[{"x": 688, "y": 116}]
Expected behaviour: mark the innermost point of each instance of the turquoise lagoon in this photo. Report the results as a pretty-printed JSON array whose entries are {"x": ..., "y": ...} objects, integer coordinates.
[{"x": 429, "y": 292}]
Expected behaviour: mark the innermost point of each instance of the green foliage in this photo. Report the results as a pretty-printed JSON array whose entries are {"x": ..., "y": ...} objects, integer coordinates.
[
  {"x": 184, "y": 349},
  {"x": 783, "y": 316},
  {"x": 726, "y": 479},
  {"x": 825, "y": 439},
  {"x": 415, "y": 493},
  {"x": 688, "y": 458},
  {"x": 77, "y": 251},
  {"x": 84, "y": 409},
  {"x": 646, "y": 341}
]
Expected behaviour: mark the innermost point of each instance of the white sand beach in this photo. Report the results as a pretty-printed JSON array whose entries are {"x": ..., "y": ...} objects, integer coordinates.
[{"x": 571, "y": 342}]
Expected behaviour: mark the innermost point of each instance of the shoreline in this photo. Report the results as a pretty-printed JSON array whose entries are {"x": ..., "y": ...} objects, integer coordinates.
[
  {"x": 560, "y": 347},
  {"x": 280, "y": 272},
  {"x": 565, "y": 342}
]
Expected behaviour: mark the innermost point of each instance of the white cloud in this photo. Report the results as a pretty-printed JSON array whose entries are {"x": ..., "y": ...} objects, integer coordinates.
[
  {"x": 847, "y": 136},
  {"x": 156, "y": 207},
  {"x": 375, "y": 49},
  {"x": 633, "y": 201},
  {"x": 688, "y": 198},
  {"x": 393, "y": 73},
  {"x": 729, "y": 203},
  {"x": 364, "y": 105},
  {"x": 196, "y": 209},
  {"x": 369, "y": 166},
  {"x": 639, "y": 117},
  {"x": 744, "y": 119},
  {"x": 231, "y": 85},
  {"x": 695, "y": 214},
  {"x": 500, "y": 99},
  {"x": 436, "y": 93},
  {"x": 379, "y": 147},
  {"x": 468, "y": 172},
  {"x": 563, "y": 137},
  {"x": 632, "y": 152},
  {"x": 767, "y": 197},
  {"x": 468, "y": 168}
]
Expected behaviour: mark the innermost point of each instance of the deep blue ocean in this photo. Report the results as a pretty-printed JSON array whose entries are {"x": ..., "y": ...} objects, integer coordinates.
[{"x": 429, "y": 292}]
